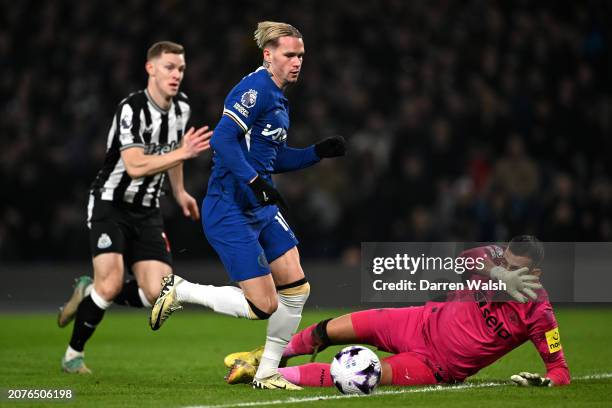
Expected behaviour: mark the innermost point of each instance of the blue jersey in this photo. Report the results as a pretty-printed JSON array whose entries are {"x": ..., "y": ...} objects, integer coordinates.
[{"x": 251, "y": 137}]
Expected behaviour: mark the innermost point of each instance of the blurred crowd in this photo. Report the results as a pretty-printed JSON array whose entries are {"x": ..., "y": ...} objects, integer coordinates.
[{"x": 466, "y": 120}]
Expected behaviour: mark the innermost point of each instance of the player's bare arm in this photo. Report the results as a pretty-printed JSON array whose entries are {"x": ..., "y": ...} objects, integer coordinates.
[
  {"x": 139, "y": 164},
  {"x": 188, "y": 204}
]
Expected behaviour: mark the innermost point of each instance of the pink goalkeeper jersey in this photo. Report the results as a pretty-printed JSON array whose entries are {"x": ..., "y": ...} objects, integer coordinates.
[{"x": 466, "y": 336}]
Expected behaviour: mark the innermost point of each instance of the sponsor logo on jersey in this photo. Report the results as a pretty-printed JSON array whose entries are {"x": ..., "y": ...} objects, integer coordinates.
[
  {"x": 493, "y": 322},
  {"x": 241, "y": 110},
  {"x": 156, "y": 148},
  {"x": 554, "y": 340},
  {"x": 277, "y": 135},
  {"x": 249, "y": 98},
  {"x": 104, "y": 241}
]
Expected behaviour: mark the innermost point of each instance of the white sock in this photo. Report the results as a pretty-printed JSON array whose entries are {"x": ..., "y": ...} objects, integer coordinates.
[
  {"x": 143, "y": 298},
  {"x": 227, "y": 300},
  {"x": 99, "y": 301},
  {"x": 72, "y": 353},
  {"x": 281, "y": 326}
]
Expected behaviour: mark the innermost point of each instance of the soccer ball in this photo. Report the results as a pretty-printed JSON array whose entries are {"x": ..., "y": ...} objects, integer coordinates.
[{"x": 356, "y": 370}]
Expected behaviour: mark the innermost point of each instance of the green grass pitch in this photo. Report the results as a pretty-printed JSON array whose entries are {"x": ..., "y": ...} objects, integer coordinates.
[{"x": 181, "y": 365}]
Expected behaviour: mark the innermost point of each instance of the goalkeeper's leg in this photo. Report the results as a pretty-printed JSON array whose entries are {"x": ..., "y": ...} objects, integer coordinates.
[
  {"x": 310, "y": 341},
  {"x": 403, "y": 369}
]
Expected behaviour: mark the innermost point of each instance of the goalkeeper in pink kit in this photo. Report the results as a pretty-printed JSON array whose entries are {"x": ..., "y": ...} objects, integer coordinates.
[{"x": 442, "y": 342}]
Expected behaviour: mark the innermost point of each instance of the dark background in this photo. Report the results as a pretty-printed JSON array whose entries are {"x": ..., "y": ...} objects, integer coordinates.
[{"x": 466, "y": 120}]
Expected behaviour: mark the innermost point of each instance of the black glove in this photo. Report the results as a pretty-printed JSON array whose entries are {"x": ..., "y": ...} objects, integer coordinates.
[
  {"x": 331, "y": 147},
  {"x": 266, "y": 194}
]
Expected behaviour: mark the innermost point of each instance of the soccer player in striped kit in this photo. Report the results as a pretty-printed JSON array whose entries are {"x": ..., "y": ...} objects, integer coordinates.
[
  {"x": 442, "y": 342},
  {"x": 240, "y": 213},
  {"x": 146, "y": 140}
]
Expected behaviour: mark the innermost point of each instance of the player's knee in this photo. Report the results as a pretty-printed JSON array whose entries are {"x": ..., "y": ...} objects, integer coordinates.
[
  {"x": 263, "y": 309},
  {"x": 151, "y": 293},
  {"x": 294, "y": 294},
  {"x": 108, "y": 289}
]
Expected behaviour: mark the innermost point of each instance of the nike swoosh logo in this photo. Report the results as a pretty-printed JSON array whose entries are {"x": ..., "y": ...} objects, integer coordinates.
[{"x": 159, "y": 316}]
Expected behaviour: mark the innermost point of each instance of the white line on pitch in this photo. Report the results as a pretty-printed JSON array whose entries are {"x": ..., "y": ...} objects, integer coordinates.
[{"x": 436, "y": 388}]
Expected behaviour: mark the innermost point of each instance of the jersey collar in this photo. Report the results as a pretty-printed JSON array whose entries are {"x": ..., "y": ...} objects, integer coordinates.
[{"x": 156, "y": 106}]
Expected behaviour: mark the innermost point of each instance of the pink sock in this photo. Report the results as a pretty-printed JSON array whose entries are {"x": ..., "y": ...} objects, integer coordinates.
[
  {"x": 308, "y": 375},
  {"x": 301, "y": 343}
]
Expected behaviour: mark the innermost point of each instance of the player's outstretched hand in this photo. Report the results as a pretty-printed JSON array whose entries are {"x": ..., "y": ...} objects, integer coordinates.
[
  {"x": 526, "y": 379},
  {"x": 266, "y": 194},
  {"x": 331, "y": 147},
  {"x": 188, "y": 205},
  {"x": 196, "y": 141},
  {"x": 518, "y": 282}
]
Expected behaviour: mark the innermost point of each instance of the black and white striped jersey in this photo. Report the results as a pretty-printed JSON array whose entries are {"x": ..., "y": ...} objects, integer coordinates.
[{"x": 139, "y": 121}]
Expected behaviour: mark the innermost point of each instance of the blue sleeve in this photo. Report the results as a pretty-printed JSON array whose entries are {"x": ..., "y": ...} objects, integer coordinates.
[
  {"x": 290, "y": 159},
  {"x": 245, "y": 102},
  {"x": 225, "y": 142}
]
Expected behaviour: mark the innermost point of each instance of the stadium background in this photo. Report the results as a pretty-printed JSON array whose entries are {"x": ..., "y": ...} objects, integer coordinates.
[{"x": 466, "y": 121}]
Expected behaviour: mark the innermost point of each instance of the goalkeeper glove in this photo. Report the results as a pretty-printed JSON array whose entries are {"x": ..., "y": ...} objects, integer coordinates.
[
  {"x": 266, "y": 194},
  {"x": 525, "y": 379},
  {"x": 516, "y": 282},
  {"x": 331, "y": 147}
]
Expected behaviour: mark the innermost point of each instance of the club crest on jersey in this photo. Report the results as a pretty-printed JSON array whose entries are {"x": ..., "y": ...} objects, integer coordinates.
[
  {"x": 262, "y": 261},
  {"x": 249, "y": 98},
  {"x": 104, "y": 241}
]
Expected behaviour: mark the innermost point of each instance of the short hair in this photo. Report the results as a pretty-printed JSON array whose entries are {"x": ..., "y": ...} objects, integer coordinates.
[
  {"x": 529, "y": 246},
  {"x": 157, "y": 49},
  {"x": 268, "y": 33}
]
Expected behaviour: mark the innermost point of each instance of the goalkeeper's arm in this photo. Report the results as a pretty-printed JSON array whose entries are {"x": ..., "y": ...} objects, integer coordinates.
[{"x": 557, "y": 371}]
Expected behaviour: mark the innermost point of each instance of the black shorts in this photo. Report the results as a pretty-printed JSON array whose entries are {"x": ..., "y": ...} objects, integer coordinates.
[{"x": 134, "y": 231}]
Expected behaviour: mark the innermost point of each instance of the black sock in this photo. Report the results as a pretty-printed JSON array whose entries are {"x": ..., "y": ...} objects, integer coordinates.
[
  {"x": 320, "y": 337},
  {"x": 87, "y": 318},
  {"x": 129, "y": 295}
]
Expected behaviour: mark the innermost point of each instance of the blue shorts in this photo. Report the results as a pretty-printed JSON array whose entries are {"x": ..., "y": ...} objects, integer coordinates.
[{"x": 245, "y": 240}]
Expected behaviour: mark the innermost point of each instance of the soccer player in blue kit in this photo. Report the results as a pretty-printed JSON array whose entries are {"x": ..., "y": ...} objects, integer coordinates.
[{"x": 240, "y": 212}]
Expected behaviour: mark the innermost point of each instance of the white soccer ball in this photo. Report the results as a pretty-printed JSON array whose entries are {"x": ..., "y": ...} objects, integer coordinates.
[{"x": 356, "y": 370}]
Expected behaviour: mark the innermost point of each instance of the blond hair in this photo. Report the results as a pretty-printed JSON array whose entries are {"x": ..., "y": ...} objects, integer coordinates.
[
  {"x": 268, "y": 33},
  {"x": 157, "y": 49}
]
